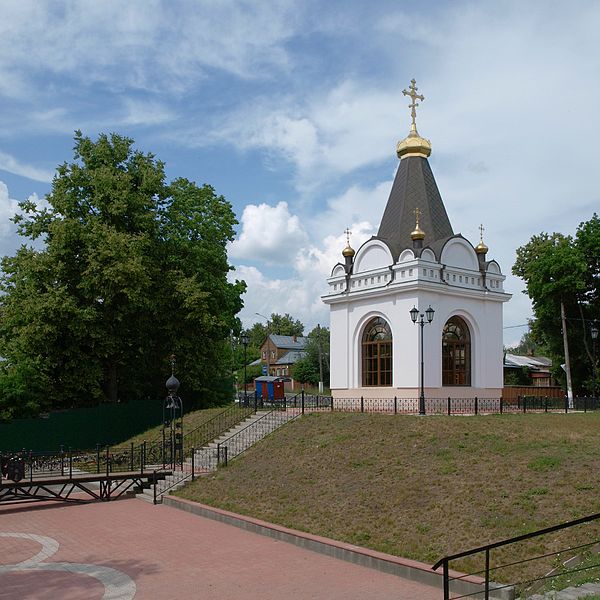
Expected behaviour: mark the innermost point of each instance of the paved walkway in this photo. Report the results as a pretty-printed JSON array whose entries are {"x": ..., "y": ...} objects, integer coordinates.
[{"x": 128, "y": 549}]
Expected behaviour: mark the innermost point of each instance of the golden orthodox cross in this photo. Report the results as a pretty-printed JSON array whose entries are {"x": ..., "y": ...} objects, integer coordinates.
[
  {"x": 414, "y": 97},
  {"x": 348, "y": 234},
  {"x": 481, "y": 230},
  {"x": 417, "y": 212}
]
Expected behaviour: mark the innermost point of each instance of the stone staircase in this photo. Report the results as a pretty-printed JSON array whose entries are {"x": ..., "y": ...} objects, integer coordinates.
[{"x": 226, "y": 447}]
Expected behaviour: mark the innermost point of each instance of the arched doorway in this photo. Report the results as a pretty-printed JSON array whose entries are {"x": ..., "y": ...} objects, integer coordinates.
[
  {"x": 377, "y": 353},
  {"x": 456, "y": 353}
]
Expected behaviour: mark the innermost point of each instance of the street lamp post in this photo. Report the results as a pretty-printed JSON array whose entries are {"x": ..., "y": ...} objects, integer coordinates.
[
  {"x": 594, "y": 333},
  {"x": 268, "y": 345},
  {"x": 245, "y": 339},
  {"x": 414, "y": 315}
]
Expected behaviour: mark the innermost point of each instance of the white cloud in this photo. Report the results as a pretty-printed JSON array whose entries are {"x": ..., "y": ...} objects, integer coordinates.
[
  {"x": 269, "y": 233},
  {"x": 9, "y": 239},
  {"x": 148, "y": 44},
  {"x": 12, "y": 165}
]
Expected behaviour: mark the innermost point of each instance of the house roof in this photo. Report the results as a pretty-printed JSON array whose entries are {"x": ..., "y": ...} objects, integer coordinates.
[
  {"x": 414, "y": 187},
  {"x": 289, "y": 342},
  {"x": 291, "y": 357},
  {"x": 537, "y": 363}
]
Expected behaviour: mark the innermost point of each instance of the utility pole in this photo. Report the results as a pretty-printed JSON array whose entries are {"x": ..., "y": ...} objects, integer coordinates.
[
  {"x": 320, "y": 359},
  {"x": 567, "y": 360}
]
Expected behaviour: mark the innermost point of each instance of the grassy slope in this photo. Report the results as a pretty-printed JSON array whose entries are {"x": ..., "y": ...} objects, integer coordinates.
[{"x": 420, "y": 487}]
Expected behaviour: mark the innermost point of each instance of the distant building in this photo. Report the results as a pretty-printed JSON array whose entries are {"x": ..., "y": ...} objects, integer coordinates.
[
  {"x": 534, "y": 368},
  {"x": 279, "y": 353}
]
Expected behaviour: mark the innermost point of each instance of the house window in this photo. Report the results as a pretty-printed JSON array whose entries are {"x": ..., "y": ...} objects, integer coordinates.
[
  {"x": 377, "y": 354},
  {"x": 272, "y": 353},
  {"x": 264, "y": 355},
  {"x": 456, "y": 353}
]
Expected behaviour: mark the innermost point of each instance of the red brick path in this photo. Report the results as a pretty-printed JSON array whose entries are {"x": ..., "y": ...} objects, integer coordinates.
[{"x": 171, "y": 554}]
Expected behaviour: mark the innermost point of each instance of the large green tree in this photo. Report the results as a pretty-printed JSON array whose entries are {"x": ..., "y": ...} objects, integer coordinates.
[
  {"x": 561, "y": 269},
  {"x": 126, "y": 269}
]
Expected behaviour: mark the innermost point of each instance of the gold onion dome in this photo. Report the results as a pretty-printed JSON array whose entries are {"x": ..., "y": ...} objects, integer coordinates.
[
  {"x": 348, "y": 251},
  {"x": 417, "y": 233},
  {"x": 481, "y": 248},
  {"x": 414, "y": 144}
]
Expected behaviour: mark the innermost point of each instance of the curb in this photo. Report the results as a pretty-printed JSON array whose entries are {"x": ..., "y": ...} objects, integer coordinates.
[{"x": 386, "y": 563}]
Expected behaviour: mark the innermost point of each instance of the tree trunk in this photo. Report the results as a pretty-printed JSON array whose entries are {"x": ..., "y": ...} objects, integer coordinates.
[{"x": 111, "y": 390}]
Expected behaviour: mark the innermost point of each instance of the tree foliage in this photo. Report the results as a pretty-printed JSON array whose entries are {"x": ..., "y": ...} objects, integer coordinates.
[
  {"x": 308, "y": 369},
  {"x": 559, "y": 268},
  {"x": 132, "y": 268}
]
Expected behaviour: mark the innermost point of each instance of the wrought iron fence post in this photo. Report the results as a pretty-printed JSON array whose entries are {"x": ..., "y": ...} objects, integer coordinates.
[
  {"x": 524, "y": 404},
  {"x": 219, "y": 454},
  {"x": 585, "y": 404},
  {"x": 446, "y": 581},
  {"x": 193, "y": 463},
  {"x": 331, "y": 403},
  {"x": 255, "y": 400},
  {"x": 70, "y": 463},
  {"x": 519, "y": 401},
  {"x": 107, "y": 459},
  {"x": 362, "y": 404},
  {"x": 154, "y": 501},
  {"x": 566, "y": 404},
  {"x": 501, "y": 404},
  {"x": 302, "y": 396},
  {"x": 62, "y": 460},
  {"x": 545, "y": 404},
  {"x": 476, "y": 405},
  {"x": 31, "y": 465},
  {"x": 487, "y": 574},
  {"x": 226, "y": 448},
  {"x": 449, "y": 406},
  {"x": 395, "y": 405}
]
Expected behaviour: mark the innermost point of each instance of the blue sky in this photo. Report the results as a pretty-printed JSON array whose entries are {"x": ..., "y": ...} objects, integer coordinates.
[{"x": 292, "y": 110}]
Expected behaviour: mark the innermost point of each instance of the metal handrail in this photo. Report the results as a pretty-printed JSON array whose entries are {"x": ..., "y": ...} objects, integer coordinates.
[{"x": 488, "y": 547}]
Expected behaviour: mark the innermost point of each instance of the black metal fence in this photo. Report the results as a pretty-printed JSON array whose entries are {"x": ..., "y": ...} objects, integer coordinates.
[
  {"x": 442, "y": 406},
  {"x": 461, "y": 585},
  {"x": 28, "y": 465}
]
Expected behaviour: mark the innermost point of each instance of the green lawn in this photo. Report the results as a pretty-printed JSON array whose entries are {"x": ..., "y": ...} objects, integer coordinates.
[{"x": 420, "y": 487}]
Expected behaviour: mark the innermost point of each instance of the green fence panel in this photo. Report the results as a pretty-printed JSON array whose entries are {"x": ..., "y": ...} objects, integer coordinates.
[{"x": 82, "y": 427}]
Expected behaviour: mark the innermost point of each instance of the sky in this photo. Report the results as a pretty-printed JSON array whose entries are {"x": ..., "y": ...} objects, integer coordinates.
[{"x": 292, "y": 111}]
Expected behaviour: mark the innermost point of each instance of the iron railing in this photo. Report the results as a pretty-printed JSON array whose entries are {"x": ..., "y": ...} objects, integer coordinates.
[
  {"x": 243, "y": 439},
  {"x": 488, "y": 589},
  {"x": 67, "y": 462},
  {"x": 448, "y": 405},
  {"x": 213, "y": 428}
]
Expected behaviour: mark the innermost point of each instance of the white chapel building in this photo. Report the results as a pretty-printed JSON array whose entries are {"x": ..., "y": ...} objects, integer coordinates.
[{"x": 416, "y": 260}]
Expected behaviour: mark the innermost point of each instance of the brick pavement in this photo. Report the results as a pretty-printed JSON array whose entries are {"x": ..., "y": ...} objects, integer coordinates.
[{"x": 127, "y": 549}]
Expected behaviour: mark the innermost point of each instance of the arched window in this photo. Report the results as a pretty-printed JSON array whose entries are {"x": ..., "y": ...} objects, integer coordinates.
[
  {"x": 377, "y": 354},
  {"x": 456, "y": 353}
]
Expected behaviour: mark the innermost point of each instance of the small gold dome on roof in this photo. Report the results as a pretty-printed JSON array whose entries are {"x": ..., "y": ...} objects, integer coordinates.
[
  {"x": 417, "y": 233},
  {"x": 348, "y": 251},
  {"x": 481, "y": 248}
]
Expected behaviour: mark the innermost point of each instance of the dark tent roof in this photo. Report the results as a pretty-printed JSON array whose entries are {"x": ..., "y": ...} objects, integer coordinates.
[{"x": 414, "y": 186}]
